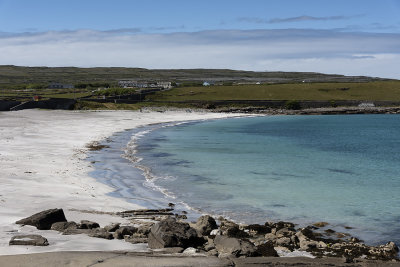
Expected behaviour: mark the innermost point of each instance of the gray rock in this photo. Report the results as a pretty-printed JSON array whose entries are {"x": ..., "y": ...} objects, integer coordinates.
[
  {"x": 172, "y": 250},
  {"x": 29, "y": 240},
  {"x": 88, "y": 225},
  {"x": 170, "y": 233},
  {"x": 112, "y": 227},
  {"x": 136, "y": 239},
  {"x": 76, "y": 231},
  {"x": 43, "y": 220},
  {"x": 205, "y": 224},
  {"x": 123, "y": 231},
  {"x": 283, "y": 241},
  {"x": 100, "y": 233},
  {"x": 62, "y": 226},
  {"x": 233, "y": 246}
]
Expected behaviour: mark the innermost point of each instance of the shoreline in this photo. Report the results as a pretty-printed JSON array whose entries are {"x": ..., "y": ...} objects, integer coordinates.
[
  {"x": 35, "y": 125},
  {"x": 43, "y": 166}
]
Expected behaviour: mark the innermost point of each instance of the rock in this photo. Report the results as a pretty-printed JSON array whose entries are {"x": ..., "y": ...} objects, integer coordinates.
[
  {"x": 123, "y": 231},
  {"x": 205, "y": 224},
  {"x": 283, "y": 241},
  {"x": 190, "y": 251},
  {"x": 267, "y": 250},
  {"x": 216, "y": 232},
  {"x": 234, "y": 246},
  {"x": 285, "y": 232},
  {"x": 170, "y": 233},
  {"x": 270, "y": 237},
  {"x": 29, "y": 240},
  {"x": 281, "y": 224},
  {"x": 257, "y": 229},
  {"x": 76, "y": 231},
  {"x": 212, "y": 252},
  {"x": 43, "y": 220},
  {"x": 209, "y": 245},
  {"x": 112, "y": 227},
  {"x": 100, "y": 233},
  {"x": 88, "y": 225},
  {"x": 235, "y": 231},
  {"x": 320, "y": 224},
  {"x": 62, "y": 226}
]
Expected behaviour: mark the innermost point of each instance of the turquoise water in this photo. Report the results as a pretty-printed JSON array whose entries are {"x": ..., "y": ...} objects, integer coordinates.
[{"x": 340, "y": 169}]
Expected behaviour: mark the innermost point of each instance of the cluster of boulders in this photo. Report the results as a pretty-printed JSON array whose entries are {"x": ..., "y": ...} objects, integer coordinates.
[{"x": 172, "y": 233}]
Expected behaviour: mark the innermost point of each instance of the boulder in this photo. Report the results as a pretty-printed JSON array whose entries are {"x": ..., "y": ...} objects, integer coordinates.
[
  {"x": 88, "y": 225},
  {"x": 62, "y": 226},
  {"x": 170, "y": 233},
  {"x": 29, "y": 240},
  {"x": 123, "y": 231},
  {"x": 233, "y": 246},
  {"x": 43, "y": 220},
  {"x": 112, "y": 227},
  {"x": 205, "y": 224},
  {"x": 267, "y": 250}
]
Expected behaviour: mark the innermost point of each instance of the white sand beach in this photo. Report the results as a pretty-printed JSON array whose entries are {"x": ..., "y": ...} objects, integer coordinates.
[{"x": 42, "y": 166}]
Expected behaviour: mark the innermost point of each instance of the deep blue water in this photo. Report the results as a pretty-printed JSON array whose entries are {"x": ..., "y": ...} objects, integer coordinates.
[{"x": 340, "y": 169}]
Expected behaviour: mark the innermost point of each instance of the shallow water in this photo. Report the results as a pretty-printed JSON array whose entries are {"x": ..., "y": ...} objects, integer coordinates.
[{"x": 340, "y": 169}]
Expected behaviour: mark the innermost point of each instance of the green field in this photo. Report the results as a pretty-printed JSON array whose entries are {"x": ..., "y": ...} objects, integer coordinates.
[{"x": 381, "y": 90}]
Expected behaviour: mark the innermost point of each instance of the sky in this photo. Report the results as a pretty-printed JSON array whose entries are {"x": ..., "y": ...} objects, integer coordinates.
[{"x": 349, "y": 37}]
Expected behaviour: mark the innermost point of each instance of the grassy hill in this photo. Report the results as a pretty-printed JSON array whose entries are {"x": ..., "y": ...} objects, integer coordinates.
[
  {"x": 15, "y": 76},
  {"x": 378, "y": 90}
]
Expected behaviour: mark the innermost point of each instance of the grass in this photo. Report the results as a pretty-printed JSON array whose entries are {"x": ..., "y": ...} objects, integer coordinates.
[{"x": 380, "y": 90}]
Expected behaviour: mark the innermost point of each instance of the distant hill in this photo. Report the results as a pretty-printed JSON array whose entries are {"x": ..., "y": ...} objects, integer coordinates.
[{"x": 14, "y": 75}]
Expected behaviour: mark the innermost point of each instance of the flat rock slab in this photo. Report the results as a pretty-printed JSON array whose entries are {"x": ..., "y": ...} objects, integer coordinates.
[{"x": 28, "y": 240}]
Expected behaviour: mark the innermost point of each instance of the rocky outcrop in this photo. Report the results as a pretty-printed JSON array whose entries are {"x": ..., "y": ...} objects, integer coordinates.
[
  {"x": 171, "y": 233},
  {"x": 28, "y": 240},
  {"x": 123, "y": 231},
  {"x": 44, "y": 220}
]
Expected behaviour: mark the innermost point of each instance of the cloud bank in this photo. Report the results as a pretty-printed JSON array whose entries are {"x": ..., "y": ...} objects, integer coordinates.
[
  {"x": 325, "y": 51},
  {"x": 294, "y": 19}
]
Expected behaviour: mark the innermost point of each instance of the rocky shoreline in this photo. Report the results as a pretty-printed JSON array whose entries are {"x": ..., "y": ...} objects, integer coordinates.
[{"x": 163, "y": 230}]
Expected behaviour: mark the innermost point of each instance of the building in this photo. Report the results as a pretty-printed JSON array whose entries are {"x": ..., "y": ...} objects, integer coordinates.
[
  {"x": 136, "y": 84},
  {"x": 60, "y": 86}
]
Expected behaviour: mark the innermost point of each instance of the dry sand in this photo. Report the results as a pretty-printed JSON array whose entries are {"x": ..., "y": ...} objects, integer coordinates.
[{"x": 42, "y": 167}]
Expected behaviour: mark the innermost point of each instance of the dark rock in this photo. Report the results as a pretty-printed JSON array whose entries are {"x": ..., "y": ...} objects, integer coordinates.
[
  {"x": 267, "y": 250},
  {"x": 43, "y": 220},
  {"x": 29, "y": 240},
  {"x": 285, "y": 232},
  {"x": 100, "y": 233},
  {"x": 259, "y": 229},
  {"x": 123, "y": 231},
  {"x": 62, "y": 226},
  {"x": 144, "y": 229},
  {"x": 170, "y": 233},
  {"x": 88, "y": 225},
  {"x": 112, "y": 227},
  {"x": 281, "y": 224},
  {"x": 205, "y": 224},
  {"x": 307, "y": 233},
  {"x": 234, "y": 246},
  {"x": 236, "y": 232}
]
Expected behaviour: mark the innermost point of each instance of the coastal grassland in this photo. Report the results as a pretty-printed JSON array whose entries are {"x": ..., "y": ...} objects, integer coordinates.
[{"x": 378, "y": 90}]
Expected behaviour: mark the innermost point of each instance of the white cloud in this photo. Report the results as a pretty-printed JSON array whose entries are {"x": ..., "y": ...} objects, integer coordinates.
[{"x": 285, "y": 50}]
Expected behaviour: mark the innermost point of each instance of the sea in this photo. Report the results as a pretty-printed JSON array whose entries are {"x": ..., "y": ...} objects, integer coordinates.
[{"x": 340, "y": 169}]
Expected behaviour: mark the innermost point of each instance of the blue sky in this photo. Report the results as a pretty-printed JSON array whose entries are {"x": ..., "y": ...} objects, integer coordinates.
[{"x": 348, "y": 37}]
